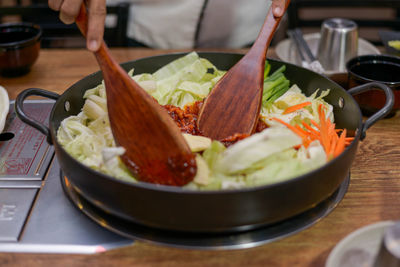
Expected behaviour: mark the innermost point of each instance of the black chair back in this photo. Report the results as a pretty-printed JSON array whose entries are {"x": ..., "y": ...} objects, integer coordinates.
[{"x": 59, "y": 35}]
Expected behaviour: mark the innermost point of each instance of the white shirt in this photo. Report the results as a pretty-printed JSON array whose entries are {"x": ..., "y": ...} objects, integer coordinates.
[{"x": 167, "y": 24}]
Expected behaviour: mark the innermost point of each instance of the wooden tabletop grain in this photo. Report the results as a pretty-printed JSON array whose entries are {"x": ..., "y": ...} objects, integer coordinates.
[{"x": 373, "y": 194}]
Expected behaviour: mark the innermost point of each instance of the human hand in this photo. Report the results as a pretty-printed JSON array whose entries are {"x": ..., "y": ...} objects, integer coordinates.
[
  {"x": 69, "y": 10},
  {"x": 278, "y": 7}
]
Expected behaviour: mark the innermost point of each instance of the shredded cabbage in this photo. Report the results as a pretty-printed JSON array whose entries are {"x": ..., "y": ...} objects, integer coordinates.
[
  {"x": 263, "y": 158},
  {"x": 181, "y": 82},
  {"x": 294, "y": 96}
]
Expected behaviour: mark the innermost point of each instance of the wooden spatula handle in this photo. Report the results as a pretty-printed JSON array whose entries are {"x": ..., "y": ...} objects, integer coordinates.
[
  {"x": 233, "y": 105},
  {"x": 264, "y": 38}
]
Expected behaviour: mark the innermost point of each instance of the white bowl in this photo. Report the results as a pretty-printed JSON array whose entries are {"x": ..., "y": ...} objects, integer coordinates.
[
  {"x": 360, "y": 248},
  {"x": 286, "y": 51},
  {"x": 4, "y": 106}
]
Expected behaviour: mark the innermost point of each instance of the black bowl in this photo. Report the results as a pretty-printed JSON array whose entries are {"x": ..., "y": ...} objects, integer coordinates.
[
  {"x": 19, "y": 47},
  {"x": 375, "y": 68}
]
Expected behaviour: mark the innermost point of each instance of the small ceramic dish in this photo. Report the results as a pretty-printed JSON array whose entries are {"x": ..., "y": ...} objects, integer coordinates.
[
  {"x": 375, "y": 68},
  {"x": 19, "y": 47}
]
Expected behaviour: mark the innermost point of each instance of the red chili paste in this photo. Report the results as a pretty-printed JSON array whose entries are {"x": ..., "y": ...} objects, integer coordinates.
[{"x": 186, "y": 119}]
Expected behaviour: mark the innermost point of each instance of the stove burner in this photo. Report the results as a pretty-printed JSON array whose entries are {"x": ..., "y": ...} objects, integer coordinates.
[{"x": 212, "y": 241}]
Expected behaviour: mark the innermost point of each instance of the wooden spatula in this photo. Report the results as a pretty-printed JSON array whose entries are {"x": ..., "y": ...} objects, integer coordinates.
[
  {"x": 156, "y": 151},
  {"x": 233, "y": 106}
]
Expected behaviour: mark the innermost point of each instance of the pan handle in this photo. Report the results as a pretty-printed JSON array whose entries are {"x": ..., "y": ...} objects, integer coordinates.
[
  {"x": 19, "y": 109},
  {"x": 380, "y": 114}
]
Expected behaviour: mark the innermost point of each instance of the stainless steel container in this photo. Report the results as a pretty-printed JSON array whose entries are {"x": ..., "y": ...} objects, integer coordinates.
[{"x": 338, "y": 43}]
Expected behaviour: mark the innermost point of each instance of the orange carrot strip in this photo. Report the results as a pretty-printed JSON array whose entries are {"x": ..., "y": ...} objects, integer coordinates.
[
  {"x": 333, "y": 147},
  {"x": 301, "y": 130},
  {"x": 323, "y": 129},
  {"x": 331, "y": 128},
  {"x": 296, "y": 107},
  {"x": 315, "y": 124},
  {"x": 340, "y": 144},
  {"x": 308, "y": 136},
  {"x": 348, "y": 140},
  {"x": 306, "y": 142},
  {"x": 312, "y": 136},
  {"x": 294, "y": 129},
  {"x": 308, "y": 127},
  {"x": 315, "y": 137},
  {"x": 333, "y": 138}
]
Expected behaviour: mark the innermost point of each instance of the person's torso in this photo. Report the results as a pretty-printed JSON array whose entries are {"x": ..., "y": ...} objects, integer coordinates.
[{"x": 196, "y": 23}]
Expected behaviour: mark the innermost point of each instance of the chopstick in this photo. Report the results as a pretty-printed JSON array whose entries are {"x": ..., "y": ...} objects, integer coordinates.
[
  {"x": 297, "y": 45},
  {"x": 302, "y": 46}
]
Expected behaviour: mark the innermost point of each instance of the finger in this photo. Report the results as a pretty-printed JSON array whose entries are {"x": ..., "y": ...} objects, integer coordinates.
[
  {"x": 278, "y": 7},
  {"x": 97, "y": 16},
  {"x": 55, "y": 4},
  {"x": 69, "y": 10}
]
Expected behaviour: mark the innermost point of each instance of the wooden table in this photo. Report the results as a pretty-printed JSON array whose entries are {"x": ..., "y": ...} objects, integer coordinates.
[{"x": 373, "y": 195}]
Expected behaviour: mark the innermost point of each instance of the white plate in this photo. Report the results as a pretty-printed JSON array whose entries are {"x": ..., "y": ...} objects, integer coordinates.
[
  {"x": 4, "y": 106},
  {"x": 359, "y": 248},
  {"x": 286, "y": 51}
]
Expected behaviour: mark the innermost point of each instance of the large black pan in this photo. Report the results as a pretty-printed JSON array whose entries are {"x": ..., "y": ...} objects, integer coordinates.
[{"x": 174, "y": 208}]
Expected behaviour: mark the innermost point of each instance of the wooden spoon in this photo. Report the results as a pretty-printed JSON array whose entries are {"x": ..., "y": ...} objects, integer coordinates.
[
  {"x": 233, "y": 105},
  {"x": 156, "y": 151}
]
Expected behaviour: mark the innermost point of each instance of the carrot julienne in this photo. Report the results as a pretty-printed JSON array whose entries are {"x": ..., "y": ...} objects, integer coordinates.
[
  {"x": 340, "y": 144},
  {"x": 332, "y": 140},
  {"x": 296, "y": 107},
  {"x": 323, "y": 128},
  {"x": 313, "y": 122},
  {"x": 294, "y": 129},
  {"x": 305, "y": 133},
  {"x": 332, "y": 149}
]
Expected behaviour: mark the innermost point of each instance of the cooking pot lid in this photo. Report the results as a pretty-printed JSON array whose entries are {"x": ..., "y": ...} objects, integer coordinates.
[{"x": 237, "y": 240}]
